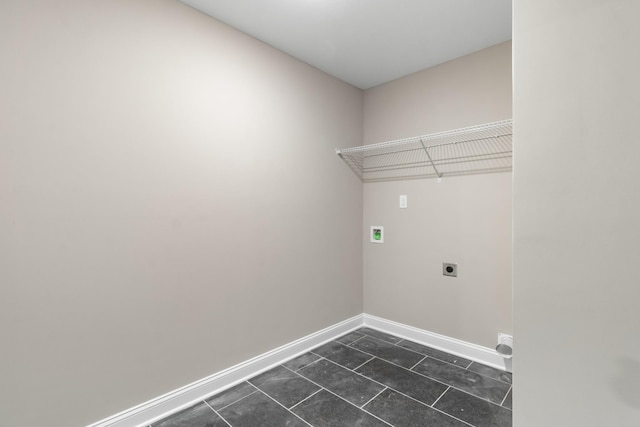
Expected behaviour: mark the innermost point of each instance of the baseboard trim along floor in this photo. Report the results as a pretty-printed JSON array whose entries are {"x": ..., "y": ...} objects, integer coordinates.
[{"x": 158, "y": 408}]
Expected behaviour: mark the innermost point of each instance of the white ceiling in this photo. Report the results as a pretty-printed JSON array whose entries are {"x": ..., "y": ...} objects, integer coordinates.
[{"x": 368, "y": 42}]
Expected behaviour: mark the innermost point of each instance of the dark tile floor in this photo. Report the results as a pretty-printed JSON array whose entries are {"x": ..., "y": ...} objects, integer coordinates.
[{"x": 364, "y": 378}]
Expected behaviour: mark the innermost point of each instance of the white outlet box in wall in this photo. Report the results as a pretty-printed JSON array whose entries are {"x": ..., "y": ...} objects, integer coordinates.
[{"x": 376, "y": 234}]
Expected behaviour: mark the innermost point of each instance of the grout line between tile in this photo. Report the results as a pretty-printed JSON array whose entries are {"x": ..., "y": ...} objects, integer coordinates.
[
  {"x": 362, "y": 364},
  {"x": 417, "y": 363},
  {"x": 341, "y": 398},
  {"x": 429, "y": 406},
  {"x": 434, "y": 403},
  {"x": 367, "y": 402},
  {"x": 356, "y": 340},
  {"x": 433, "y": 357},
  {"x": 486, "y": 376},
  {"x": 457, "y": 388},
  {"x": 285, "y": 408},
  {"x": 381, "y": 339},
  {"x": 216, "y": 412},
  {"x": 236, "y": 401},
  {"x": 308, "y": 397},
  {"x": 397, "y": 391},
  {"x": 505, "y": 397},
  {"x": 374, "y": 356}
]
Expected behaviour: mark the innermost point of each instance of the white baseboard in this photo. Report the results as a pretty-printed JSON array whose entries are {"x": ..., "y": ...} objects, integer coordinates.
[
  {"x": 158, "y": 408},
  {"x": 474, "y": 352}
]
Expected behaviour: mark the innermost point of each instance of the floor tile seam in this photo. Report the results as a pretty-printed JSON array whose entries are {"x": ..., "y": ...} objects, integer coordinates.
[
  {"x": 377, "y": 394},
  {"x": 358, "y": 373},
  {"x": 447, "y": 362},
  {"x": 433, "y": 357},
  {"x": 408, "y": 370},
  {"x": 417, "y": 363},
  {"x": 446, "y": 390},
  {"x": 351, "y": 403},
  {"x": 238, "y": 400},
  {"x": 454, "y": 387},
  {"x": 371, "y": 336},
  {"x": 392, "y": 344},
  {"x": 378, "y": 357},
  {"x": 430, "y": 406},
  {"x": 278, "y": 388},
  {"x": 467, "y": 369},
  {"x": 339, "y": 364},
  {"x": 308, "y": 397},
  {"x": 218, "y": 414},
  {"x": 352, "y": 371},
  {"x": 362, "y": 364},
  {"x": 285, "y": 408},
  {"x": 297, "y": 376},
  {"x": 505, "y": 397},
  {"x": 269, "y": 380},
  {"x": 344, "y": 345},
  {"x": 391, "y": 388},
  {"x": 478, "y": 397},
  {"x": 307, "y": 365},
  {"x": 342, "y": 398},
  {"x": 471, "y": 362},
  {"x": 483, "y": 376},
  {"x": 355, "y": 341}
]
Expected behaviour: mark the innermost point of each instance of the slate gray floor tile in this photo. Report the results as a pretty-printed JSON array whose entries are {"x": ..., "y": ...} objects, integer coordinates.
[
  {"x": 342, "y": 355},
  {"x": 301, "y": 361},
  {"x": 327, "y": 410},
  {"x": 395, "y": 379},
  {"x": 284, "y": 386},
  {"x": 508, "y": 401},
  {"x": 349, "y": 338},
  {"x": 345, "y": 383},
  {"x": 473, "y": 410},
  {"x": 476, "y": 384},
  {"x": 259, "y": 410},
  {"x": 490, "y": 372},
  {"x": 388, "y": 352},
  {"x": 401, "y": 411},
  {"x": 410, "y": 383},
  {"x": 436, "y": 354},
  {"x": 229, "y": 396},
  {"x": 380, "y": 335},
  {"x": 199, "y": 415}
]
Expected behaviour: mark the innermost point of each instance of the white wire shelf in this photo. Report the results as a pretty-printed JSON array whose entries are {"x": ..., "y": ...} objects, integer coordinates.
[{"x": 484, "y": 148}]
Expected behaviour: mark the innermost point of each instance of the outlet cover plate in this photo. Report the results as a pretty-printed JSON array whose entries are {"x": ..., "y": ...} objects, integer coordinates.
[
  {"x": 449, "y": 269},
  {"x": 376, "y": 234}
]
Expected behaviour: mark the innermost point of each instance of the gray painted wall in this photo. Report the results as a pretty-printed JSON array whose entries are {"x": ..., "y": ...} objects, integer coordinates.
[
  {"x": 171, "y": 204},
  {"x": 576, "y": 213},
  {"x": 465, "y": 220}
]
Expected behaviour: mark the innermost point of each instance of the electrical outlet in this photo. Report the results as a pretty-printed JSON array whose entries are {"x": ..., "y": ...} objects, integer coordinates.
[{"x": 449, "y": 269}]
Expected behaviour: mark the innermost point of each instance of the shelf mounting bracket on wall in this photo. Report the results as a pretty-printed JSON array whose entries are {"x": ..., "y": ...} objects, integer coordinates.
[{"x": 431, "y": 160}]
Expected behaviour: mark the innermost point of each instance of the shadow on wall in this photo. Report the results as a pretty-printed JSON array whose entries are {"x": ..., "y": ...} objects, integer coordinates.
[{"x": 626, "y": 383}]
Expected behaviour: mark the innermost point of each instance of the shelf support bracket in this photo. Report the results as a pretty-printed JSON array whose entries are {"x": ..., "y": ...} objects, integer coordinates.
[{"x": 431, "y": 160}]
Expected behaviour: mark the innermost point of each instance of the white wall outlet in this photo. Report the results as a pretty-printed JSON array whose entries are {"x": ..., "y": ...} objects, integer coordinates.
[
  {"x": 376, "y": 235},
  {"x": 403, "y": 201}
]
